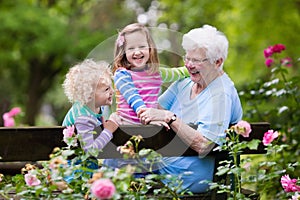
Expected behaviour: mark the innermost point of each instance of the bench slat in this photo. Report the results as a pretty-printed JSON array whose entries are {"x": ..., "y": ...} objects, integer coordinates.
[{"x": 36, "y": 143}]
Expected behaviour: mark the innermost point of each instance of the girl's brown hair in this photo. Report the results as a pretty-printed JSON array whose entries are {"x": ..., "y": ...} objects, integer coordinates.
[{"x": 120, "y": 59}]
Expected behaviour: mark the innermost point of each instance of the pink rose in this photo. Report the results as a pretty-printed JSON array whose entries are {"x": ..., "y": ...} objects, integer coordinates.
[
  {"x": 269, "y": 62},
  {"x": 269, "y": 137},
  {"x": 103, "y": 189},
  {"x": 243, "y": 128},
  {"x": 286, "y": 62},
  {"x": 277, "y": 48},
  {"x": 268, "y": 52},
  {"x": 8, "y": 120},
  {"x": 69, "y": 131},
  {"x": 32, "y": 180},
  {"x": 289, "y": 185},
  {"x": 14, "y": 111}
]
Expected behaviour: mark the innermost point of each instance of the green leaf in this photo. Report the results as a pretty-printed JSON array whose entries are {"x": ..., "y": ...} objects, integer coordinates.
[{"x": 253, "y": 144}]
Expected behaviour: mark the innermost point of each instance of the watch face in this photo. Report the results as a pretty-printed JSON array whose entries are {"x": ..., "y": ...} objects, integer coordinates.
[{"x": 173, "y": 118}]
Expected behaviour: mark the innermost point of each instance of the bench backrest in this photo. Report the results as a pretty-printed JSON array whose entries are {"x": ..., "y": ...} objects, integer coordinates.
[{"x": 36, "y": 143}]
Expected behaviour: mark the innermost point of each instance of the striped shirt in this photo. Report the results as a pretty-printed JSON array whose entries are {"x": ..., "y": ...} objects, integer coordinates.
[
  {"x": 85, "y": 126},
  {"x": 138, "y": 89},
  {"x": 78, "y": 110},
  {"x": 85, "y": 121}
]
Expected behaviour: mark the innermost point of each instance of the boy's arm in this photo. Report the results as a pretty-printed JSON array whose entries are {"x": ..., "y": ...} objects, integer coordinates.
[
  {"x": 85, "y": 126},
  {"x": 124, "y": 84},
  {"x": 171, "y": 74}
]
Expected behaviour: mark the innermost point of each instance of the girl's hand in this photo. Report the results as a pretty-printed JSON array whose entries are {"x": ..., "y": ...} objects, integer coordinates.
[
  {"x": 160, "y": 123},
  {"x": 146, "y": 115}
]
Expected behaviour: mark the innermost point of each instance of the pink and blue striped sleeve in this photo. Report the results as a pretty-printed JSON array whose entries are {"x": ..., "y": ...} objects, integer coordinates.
[{"x": 125, "y": 85}]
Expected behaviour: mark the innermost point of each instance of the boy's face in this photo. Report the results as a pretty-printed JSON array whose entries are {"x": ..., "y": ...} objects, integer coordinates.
[
  {"x": 137, "y": 49},
  {"x": 103, "y": 93}
]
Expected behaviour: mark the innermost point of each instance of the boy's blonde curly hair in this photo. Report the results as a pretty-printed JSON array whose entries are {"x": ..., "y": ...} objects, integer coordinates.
[{"x": 82, "y": 79}]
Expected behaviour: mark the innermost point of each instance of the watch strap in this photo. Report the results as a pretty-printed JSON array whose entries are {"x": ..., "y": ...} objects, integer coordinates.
[{"x": 173, "y": 118}]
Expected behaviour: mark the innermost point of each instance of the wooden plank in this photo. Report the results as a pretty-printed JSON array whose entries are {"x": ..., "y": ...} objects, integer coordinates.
[
  {"x": 36, "y": 143},
  {"x": 29, "y": 143}
]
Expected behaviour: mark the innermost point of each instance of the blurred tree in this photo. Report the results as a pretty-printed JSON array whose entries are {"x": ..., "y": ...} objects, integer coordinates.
[
  {"x": 40, "y": 39},
  {"x": 250, "y": 27}
]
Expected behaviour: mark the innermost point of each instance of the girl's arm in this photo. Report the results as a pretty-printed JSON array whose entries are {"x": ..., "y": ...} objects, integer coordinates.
[
  {"x": 124, "y": 84},
  {"x": 169, "y": 74},
  {"x": 85, "y": 126}
]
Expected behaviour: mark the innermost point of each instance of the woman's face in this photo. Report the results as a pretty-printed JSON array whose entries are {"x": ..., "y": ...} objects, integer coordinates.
[
  {"x": 137, "y": 49},
  {"x": 199, "y": 66}
]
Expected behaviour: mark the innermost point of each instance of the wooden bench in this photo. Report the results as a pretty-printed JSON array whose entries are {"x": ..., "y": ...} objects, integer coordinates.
[{"x": 30, "y": 144}]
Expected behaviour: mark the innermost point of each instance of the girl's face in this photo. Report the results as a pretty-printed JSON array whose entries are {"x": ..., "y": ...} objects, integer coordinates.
[
  {"x": 137, "y": 49},
  {"x": 103, "y": 93}
]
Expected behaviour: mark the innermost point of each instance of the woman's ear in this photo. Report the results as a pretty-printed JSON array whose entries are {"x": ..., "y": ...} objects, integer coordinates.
[{"x": 219, "y": 62}]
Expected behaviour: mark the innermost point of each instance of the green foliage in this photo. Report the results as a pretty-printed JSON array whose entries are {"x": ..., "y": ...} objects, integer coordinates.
[
  {"x": 71, "y": 172},
  {"x": 249, "y": 26},
  {"x": 40, "y": 40},
  {"x": 276, "y": 100},
  {"x": 233, "y": 166}
]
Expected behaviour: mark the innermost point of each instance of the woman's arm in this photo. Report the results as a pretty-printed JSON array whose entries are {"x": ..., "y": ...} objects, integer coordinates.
[{"x": 193, "y": 138}]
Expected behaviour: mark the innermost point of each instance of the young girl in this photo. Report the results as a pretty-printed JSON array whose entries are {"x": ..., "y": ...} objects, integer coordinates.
[
  {"x": 88, "y": 86},
  {"x": 138, "y": 77}
]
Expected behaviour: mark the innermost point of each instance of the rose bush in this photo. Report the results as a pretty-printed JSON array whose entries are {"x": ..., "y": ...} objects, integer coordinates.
[
  {"x": 234, "y": 165},
  {"x": 9, "y": 117},
  {"x": 67, "y": 175},
  {"x": 275, "y": 98}
]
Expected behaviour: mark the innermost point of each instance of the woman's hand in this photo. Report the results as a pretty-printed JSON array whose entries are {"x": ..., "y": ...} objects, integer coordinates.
[{"x": 147, "y": 115}]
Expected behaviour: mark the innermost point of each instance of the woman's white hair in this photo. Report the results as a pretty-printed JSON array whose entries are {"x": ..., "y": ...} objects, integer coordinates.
[
  {"x": 82, "y": 79},
  {"x": 208, "y": 37}
]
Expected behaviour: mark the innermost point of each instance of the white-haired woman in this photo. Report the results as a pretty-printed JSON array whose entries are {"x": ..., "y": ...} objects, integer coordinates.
[{"x": 207, "y": 99}]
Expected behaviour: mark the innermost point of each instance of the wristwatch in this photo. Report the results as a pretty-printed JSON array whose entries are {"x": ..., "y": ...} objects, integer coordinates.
[{"x": 173, "y": 118}]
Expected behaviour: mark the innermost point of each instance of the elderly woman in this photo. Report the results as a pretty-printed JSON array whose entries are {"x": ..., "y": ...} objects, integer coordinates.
[{"x": 207, "y": 98}]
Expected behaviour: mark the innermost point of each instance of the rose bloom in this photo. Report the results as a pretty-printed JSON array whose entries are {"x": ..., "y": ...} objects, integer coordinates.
[
  {"x": 289, "y": 185},
  {"x": 69, "y": 131},
  {"x": 269, "y": 136},
  {"x": 57, "y": 162},
  {"x": 31, "y": 180},
  {"x": 243, "y": 128},
  {"x": 8, "y": 120},
  {"x": 103, "y": 189},
  {"x": 286, "y": 62},
  {"x": 268, "y": 52},
  {"x": 14, "y": 111},
  {"x": 277, "y": 48},
  {"x": 269, "y": 62}
]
